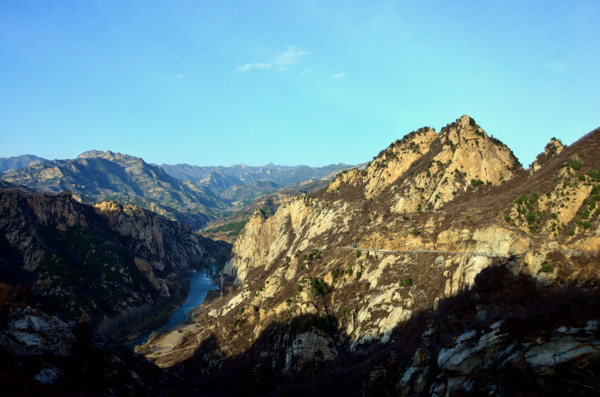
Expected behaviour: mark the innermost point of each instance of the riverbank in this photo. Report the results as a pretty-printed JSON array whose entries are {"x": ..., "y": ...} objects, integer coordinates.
[{"x": 199, "y": 287}]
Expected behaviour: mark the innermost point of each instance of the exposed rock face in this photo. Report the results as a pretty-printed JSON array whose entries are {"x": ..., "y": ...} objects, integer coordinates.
[
  {"x": 306, "y": 348},
  {"x": 29, "y": 332},
  {"x": 476, "y": 361},
  {"x": 41, "y": 355},
  {"x": 90, "y": 262},
  {"x": 435, "y": 211},
  {"x": 460, "y": 154},
  {"x": 553, "y": 148}
]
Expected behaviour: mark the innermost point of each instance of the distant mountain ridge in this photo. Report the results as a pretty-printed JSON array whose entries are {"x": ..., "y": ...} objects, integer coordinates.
[
  {"x": 123, "y": 178},
  {"x": 190, "y": 194},
  {"x": 239, "y": 184},
  {"x": 18, "y": 162}
]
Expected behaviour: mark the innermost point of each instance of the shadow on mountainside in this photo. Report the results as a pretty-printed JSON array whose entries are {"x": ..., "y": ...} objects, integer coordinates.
[{"x": 518, "y": 314}]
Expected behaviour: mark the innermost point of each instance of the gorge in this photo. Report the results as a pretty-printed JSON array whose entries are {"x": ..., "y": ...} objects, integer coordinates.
[{"x": 440, "y": 268}]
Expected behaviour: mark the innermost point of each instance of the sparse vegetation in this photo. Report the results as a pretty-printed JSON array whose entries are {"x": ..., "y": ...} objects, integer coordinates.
[
  {"x": 318, "y": 287},
  {"x": 547, "y": 268}
]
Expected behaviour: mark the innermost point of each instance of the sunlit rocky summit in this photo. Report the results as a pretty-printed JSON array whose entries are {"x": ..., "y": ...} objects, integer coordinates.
[{"x": 441, "y": 268}]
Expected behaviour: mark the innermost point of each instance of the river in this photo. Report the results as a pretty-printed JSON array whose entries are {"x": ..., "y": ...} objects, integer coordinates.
[{"x": 200, "y": 284}]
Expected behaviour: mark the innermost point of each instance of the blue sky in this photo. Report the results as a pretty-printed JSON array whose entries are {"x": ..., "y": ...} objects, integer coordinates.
[{"x": 290, "y": 82}]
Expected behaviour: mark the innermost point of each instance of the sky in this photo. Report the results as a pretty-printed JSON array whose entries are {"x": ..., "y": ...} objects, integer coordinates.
[{"x": 290, "y": 82}]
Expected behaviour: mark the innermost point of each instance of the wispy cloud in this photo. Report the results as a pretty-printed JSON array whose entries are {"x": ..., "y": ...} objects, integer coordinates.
[
  {"x": 288, "y": 57},
  {"x": 338, "y": 76},
  {"x": 305, "y": 71},
  {"x": 256, "y": 65},
  {"x": 179, "y": 76},
  {"x": 280, "y": 62}
]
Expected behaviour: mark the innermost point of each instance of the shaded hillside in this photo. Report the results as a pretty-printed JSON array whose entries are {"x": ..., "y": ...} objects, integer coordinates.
[
  {"x": 123, "y": 178},
  {"x": 108, "y": 264},
  {"x": 43, "y": 356},
  {"x": 330, "y": 279},
  {"x": 505, "y": 336}
]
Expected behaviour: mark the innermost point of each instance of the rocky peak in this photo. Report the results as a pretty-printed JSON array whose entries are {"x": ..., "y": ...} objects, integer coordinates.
[
  {"x": 107, "y": 155},
  {"x": 465, "y": 128},
  {"x": 553, "y": 148}
]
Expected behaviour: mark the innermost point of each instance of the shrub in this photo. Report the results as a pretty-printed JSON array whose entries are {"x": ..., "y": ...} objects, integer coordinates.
[
  {"x": 407, "y": 282},
  {"x": 318, "y": 286},
  {"x": 571, "y": 232},
  {"x": 349, "y": 272},
  {"x": 415, "y": 232},
  {"x": 530, "y": 217},
  {"x": 547, "y": 268},
  {"x": 357, "y": 253},
  {"x": 476, "y": 182},
  {"x": 358, "y": 274}
]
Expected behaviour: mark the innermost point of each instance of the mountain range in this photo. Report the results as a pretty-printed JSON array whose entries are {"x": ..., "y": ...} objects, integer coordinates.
[
  {"x": 190, "y": 194},
  {"x": 239, "y": 184},
  {"x": 441, "y": 267}
]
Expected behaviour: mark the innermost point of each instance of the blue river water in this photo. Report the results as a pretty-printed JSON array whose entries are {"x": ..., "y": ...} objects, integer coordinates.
[{"x": 200, "y": 284}]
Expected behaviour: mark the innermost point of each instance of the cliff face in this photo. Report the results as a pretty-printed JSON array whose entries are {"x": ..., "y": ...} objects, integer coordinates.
[
  {"x": 379, "y": 249},
  {"x": 88, "y": 262}
]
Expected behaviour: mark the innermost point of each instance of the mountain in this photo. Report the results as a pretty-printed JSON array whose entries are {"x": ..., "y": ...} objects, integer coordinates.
[
  {"x": 442, "y": 268},
  {"x": 109, "y": 265},
  {"x": 126, "y": 179},
  {"x": 229, "y": 226},
  {"x": 240, "y": 184},
  {"x": 14, "y": 163}
]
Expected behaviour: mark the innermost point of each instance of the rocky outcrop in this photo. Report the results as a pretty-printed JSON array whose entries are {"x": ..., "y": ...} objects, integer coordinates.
[
  {"x": 30, "y": 332},
  {"x": 477, "y": 361},
  {"x": 306, "y": 349},
  {"x": 553, "y": 148},
  {"x": 42, "y": 355}
]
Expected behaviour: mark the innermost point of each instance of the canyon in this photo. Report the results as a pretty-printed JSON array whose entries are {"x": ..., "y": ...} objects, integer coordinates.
[{"x": 442, "y": 267}]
